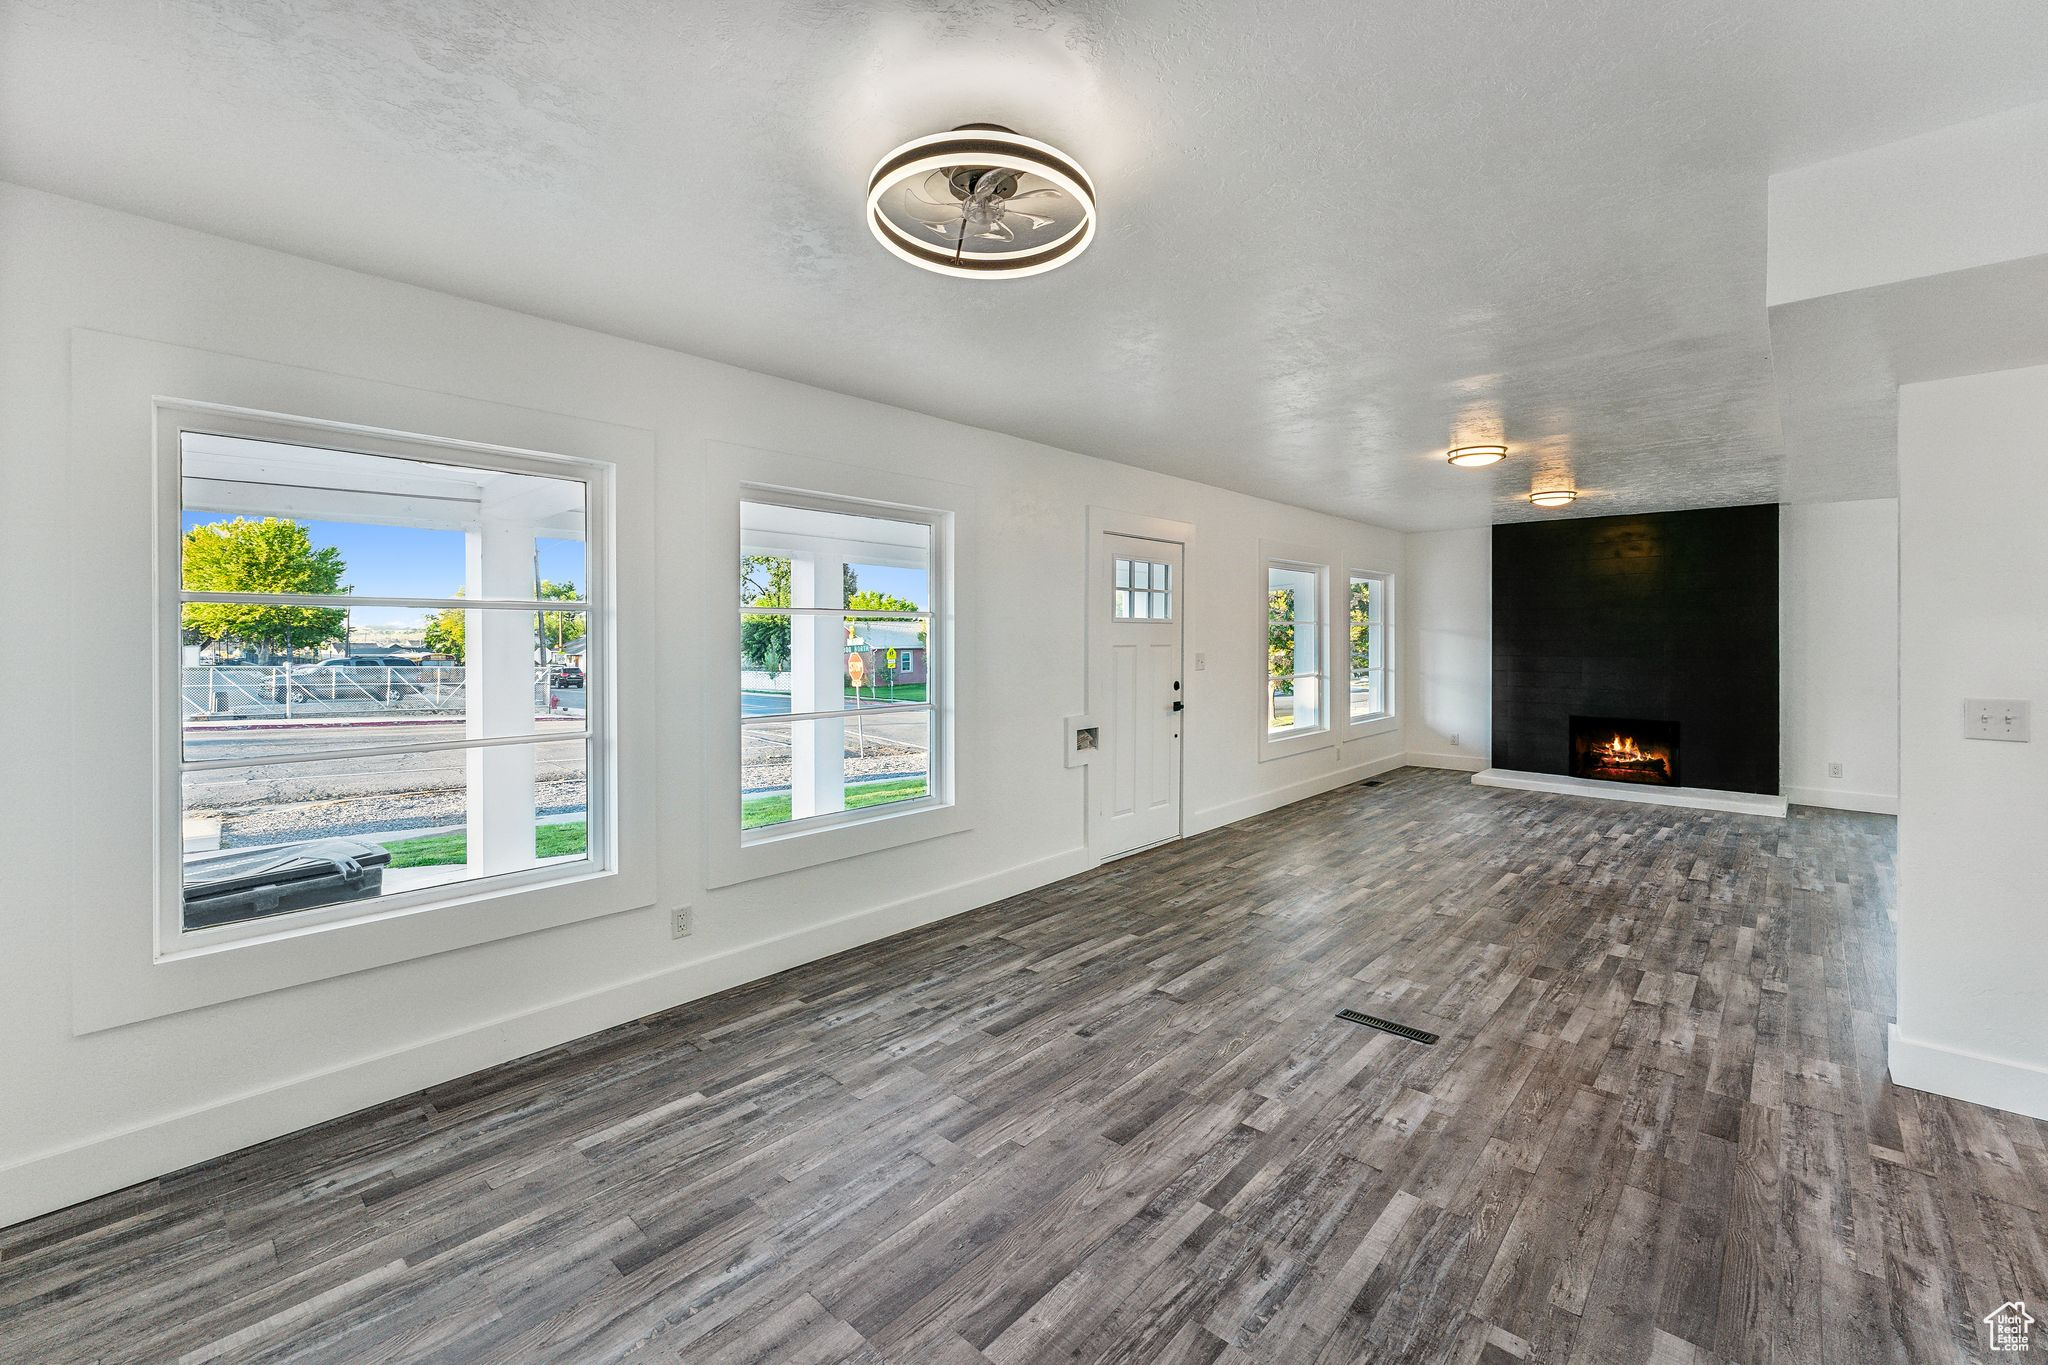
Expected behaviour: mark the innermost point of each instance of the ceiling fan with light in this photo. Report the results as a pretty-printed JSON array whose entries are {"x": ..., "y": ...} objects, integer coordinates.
[{"x": 981, "y": 201}]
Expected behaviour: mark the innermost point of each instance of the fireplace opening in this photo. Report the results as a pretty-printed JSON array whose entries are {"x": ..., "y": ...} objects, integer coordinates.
[{"x": 1615, "y": 749}]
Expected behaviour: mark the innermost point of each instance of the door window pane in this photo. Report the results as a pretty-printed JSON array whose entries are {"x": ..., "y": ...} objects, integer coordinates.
[{"x": 1143, "y": 590}]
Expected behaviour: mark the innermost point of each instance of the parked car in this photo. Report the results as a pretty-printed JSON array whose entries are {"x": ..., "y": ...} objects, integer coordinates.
[
  {"x": 566, "y": 675},
  {"x": 354, "y": 661},
  {"x": 359, "y": 676}
]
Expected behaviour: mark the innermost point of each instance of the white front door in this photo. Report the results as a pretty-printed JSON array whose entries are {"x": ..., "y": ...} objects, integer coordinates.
[{"x": 1135, "y": 634}]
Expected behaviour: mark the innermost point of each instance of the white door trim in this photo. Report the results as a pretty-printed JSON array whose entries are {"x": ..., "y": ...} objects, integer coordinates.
[{"x": 1116, "y": 521}]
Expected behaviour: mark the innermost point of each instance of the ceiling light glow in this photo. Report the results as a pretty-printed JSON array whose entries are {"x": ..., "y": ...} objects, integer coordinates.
[
  {"x": 1476, "y": 457},
  {"x": 1554, "y": 497}
]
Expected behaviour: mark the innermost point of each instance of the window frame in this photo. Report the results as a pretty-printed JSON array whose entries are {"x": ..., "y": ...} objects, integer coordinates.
[
  {"x": 176, "y": 419},
  {"x": 883, "y": 476},
  {"x": 1282, "y": 743},
  {"x": 121, "y": 392},
  {"x": 1382, "y": 624},
  {"x": 937, "y": 617}
]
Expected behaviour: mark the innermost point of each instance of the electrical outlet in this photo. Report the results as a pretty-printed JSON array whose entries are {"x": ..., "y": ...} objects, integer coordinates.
[
  {"x": 1454, "y": 740},
  {"x": 679, "y": 923},
  {"x": 1201, "y": 663},
  {"x": 1834, "y": 770},
  {"x": 2006, "y": 720}
]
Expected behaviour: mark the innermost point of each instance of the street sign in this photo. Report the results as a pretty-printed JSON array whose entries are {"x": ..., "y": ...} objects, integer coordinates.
[
  {"x": 892, "y": 658},
  {"x": 856, "y": 668}
]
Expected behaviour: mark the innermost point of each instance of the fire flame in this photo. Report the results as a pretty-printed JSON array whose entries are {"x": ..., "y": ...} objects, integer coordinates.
[{"x": 1621, "y": 749}]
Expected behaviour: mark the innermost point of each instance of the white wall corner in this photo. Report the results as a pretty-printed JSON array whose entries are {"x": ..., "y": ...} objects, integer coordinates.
[
  {"x": 2016, "y": 1087},
  {"x": 1230, "y": 812},
  {"x": 1873, "y": 803},
  {"x": 1457, "y": 763}
]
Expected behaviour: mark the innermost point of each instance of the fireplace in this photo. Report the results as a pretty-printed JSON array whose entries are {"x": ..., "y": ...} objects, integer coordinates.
[{"x": 1616, "y": 749}]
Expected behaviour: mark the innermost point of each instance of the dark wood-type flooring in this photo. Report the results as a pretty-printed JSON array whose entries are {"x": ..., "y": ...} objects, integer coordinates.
[{"x": 1116, "y": 1120}]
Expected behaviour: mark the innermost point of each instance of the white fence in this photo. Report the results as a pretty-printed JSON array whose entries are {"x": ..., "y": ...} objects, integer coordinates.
[{"x": 266, "y": 693}]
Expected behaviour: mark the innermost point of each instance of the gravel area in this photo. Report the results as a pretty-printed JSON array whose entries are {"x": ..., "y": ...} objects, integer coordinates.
[
  {"x": 383, "y": 814},
  {"x": 765, "y": 766}
]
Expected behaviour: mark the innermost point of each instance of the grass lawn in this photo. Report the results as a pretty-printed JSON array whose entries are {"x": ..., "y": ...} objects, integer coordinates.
[
  {"x": 564, "y": 839},
  {"x": 756, "y": 811},
  {"x": 900, "y": 692}
]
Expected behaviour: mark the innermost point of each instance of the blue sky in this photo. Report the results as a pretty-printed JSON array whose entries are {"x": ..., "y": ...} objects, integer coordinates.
[
  {"x": 404, "y": 561},
  {"x": 911, "y": 585}
]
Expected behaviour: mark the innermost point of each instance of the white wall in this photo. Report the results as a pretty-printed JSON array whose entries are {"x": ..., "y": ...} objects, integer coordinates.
[
  {"x": 1969, "y": 195},
  {"x": 1447, "y": 633},
  {"x": 1838, "y": 629},
  {"x": 86, "y": 1113},
  {"x": 1973, "y": 819}
]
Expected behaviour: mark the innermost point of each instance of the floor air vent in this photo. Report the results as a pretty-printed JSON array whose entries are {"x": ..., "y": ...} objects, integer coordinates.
[
  {"x": 1370, "y": 782},
  {"x": 1413, "y": 1035}
]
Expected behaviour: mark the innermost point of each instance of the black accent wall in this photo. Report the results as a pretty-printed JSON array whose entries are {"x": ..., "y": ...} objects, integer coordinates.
[{"x": 1668, "y": 616}]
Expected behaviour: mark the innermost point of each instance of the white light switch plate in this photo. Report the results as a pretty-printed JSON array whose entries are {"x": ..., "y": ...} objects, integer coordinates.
[{"x": 2007, "y": 720}]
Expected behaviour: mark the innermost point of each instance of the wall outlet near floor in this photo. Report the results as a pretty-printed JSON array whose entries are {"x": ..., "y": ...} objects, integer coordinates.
[
  {"x": 1201, "y": 663},
  {"x": 1834, "y": 770},
  {"x": 679, "y": 922},
  {"x": 1454, "y": 741},
  {"x": 2007, "y": 720}
]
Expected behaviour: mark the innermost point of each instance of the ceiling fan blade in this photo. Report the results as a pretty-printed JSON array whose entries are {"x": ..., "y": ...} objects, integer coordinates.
[
  {"x": 1037, "y": 194},
  {"x": 932, "y": 193},
  {"x": 1038, "y": 224},
  {"x": 996, "y": 232}
]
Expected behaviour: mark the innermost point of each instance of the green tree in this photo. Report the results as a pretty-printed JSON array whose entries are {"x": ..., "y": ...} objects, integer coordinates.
[
  {"x": 559, "y": 628},
  {"x": 1361, "y": 625},
  {"x": 447, "y": 632},
  {"x": 764, "y": 582},
  {"x": 268, "y": 555},
  {"x": 1280, "y": 640}
]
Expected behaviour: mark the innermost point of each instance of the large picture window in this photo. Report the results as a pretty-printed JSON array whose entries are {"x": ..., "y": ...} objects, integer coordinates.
[
  {"x": 1367, "y": 613},
  {"x": 841, "y": 663},
  {"x": 1297, "y": 675},
  {"x": 390, "y": 673}
]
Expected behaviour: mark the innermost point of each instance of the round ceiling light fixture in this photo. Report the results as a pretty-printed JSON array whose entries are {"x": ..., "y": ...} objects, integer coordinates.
[
  {"x": 1477, "y": 457},
  {"x": 981, "y": 202},
  {"x": 1554, "y": 497}
]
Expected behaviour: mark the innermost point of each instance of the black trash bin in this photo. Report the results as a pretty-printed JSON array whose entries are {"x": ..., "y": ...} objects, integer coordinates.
[{"x": 250, "y": 883}]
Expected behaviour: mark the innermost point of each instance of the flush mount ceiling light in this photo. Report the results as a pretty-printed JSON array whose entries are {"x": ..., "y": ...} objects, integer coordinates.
[
  {"x": 981, "y": 202},
  {"x": 1474, "y": 457},
  {"x": 1554, "y": 497}
]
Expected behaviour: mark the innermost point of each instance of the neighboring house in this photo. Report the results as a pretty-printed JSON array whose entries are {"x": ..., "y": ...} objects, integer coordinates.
[{"x": 874, "y": 639}]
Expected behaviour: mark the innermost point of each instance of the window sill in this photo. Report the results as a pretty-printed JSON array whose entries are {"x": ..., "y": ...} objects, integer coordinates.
[
  {"x": 811, "y": 845},
  {"x": 1366, "y": 727},
  {"x": 1272, "y": 746}
]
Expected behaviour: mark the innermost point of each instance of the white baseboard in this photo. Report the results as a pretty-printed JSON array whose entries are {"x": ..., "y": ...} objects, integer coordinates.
[
  {"x": 1995, "y": 1082},
  {"x": 1230, "y": 812},
  {"x": 63, "y": 1176},
  {"x": 1457, "y": 763},
  {"x": 1695, "y": 798},
  {"x": 1876, "y": 803}
]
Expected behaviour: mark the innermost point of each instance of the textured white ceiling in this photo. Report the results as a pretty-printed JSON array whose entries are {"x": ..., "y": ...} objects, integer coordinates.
[{"x": 1336, "y": 234}]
